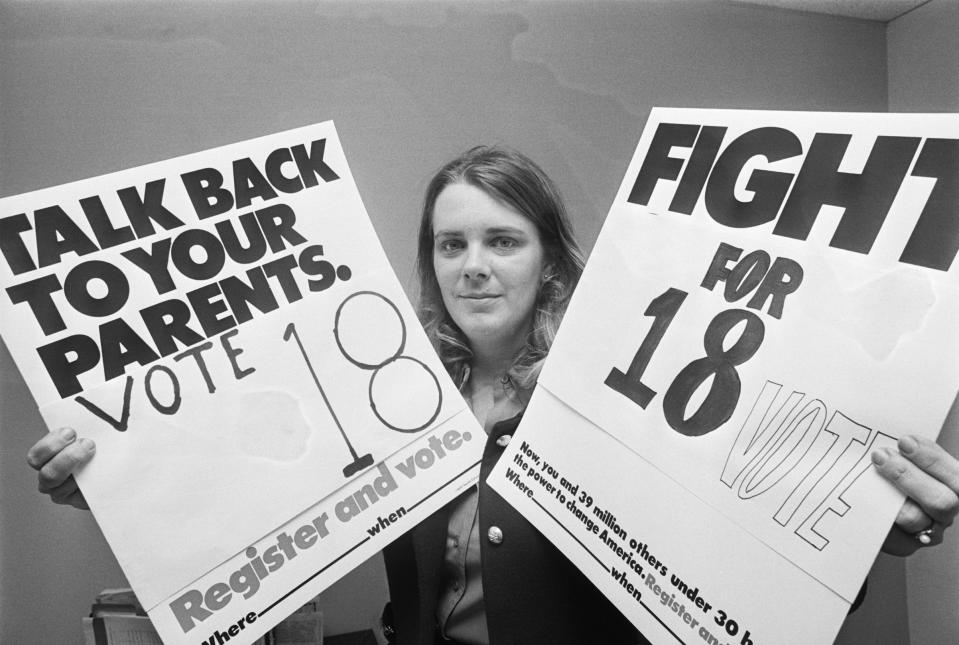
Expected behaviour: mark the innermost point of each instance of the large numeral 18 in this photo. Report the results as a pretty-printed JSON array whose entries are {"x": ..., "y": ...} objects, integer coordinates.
[
  {"x": 720, "y": 402},
  {"x": 663, "y": 309}
]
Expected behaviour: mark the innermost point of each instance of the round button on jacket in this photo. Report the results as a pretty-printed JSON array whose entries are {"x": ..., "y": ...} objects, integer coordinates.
[
  {"x": 504, "y": 440},
  {"x": 495, "y": 535}
]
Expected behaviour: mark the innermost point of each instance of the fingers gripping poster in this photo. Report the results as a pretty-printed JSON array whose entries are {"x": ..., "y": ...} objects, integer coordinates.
[
  {"x": 773, "y": 297},
  {"x": 267, "y": 410}
]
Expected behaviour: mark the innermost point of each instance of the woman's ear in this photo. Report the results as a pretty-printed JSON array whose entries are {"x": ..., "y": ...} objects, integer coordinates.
[{"x": 549, "y": 273}]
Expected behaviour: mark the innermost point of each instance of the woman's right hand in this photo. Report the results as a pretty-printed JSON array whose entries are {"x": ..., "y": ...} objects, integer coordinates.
[{"x": 55, "y": 457}]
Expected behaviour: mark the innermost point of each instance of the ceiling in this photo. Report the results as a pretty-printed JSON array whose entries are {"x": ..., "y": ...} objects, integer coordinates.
[{"x": 880, "y": 10}]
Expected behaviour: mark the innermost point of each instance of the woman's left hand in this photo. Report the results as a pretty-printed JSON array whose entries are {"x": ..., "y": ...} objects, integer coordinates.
[{"x": 929, "y": 476}]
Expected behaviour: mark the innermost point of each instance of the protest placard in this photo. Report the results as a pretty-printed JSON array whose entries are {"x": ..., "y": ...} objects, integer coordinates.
[
  {"x": 773, "y": 296},
  {"x": 267, "y": 410}
]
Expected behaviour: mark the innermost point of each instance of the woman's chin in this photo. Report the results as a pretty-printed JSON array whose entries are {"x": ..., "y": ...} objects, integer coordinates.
[
  {"x": 482, "y": 331},
  {"x": 493, "y": 330}
]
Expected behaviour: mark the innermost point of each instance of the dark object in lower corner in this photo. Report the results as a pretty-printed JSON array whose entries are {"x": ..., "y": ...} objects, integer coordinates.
[{"x": 364, "y": 637}]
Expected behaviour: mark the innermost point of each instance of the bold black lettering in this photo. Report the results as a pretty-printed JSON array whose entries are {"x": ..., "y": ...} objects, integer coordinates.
[
  {"x": 717, "y": 271},
  {"x": 167, "y": 322},
  {"x": 65, "y": 359},
  {"x": 143, "y": 211},
  {"x": 208, "y": 304},
  {"x": 76, "y": 288},
  {"x": 239, "y": 296},
  {"x": 783, "y": 278},
  {"x": 311, "y": 163},
  {"x": 935, "y": 240},
  {"x": 282, "y": 270},
  {"x": 312, "y": 264},
  {"x": 107, "y": 235},
  {"x": 256, "y": 242},
  {"x": 866, "y": 197},
  {"x": 697, "y": 170},
  {"x": 662, "y": 309},
  {"x": 36, "y": 293},
  {"x": 769, "y": 187},
  {"x": 155, "y": 263},
  {"x": 274, "y": 172},
  {"x": 746, "y": 275},
  {"x": 719, "y": 367},
  {"x": 186, "y": 264},
  {"x": 205, "y": 188},
  {"x": 122, "y": 346},
  {"x": 58, "y": 235},
  {"x": 277, "y": 223},
  {"x": 658, "y": 164},
  {"x": 249, "y": 183},
  {"x": 12, "y": 246}
]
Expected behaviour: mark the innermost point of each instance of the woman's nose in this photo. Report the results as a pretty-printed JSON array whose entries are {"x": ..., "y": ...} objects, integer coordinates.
[{"x": 476, "y": 263}]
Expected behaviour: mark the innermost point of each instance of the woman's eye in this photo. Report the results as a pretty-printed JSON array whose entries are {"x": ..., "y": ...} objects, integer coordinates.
[
  {"x": 505, "y": 243},
  {"x": 450, "y": 246}
]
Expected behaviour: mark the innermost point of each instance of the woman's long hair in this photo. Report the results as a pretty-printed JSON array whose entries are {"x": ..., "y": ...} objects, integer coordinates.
[{"x": 515, "y": 181}]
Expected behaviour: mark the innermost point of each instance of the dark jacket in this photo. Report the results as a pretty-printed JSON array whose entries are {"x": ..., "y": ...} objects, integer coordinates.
[{"x": 533, "y": 593}]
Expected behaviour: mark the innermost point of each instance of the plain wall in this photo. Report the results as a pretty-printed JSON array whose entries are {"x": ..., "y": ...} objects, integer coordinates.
[
  {"x": 90, "y": 88},
  {"x": 924, "y": 77},
  {"x": 923, "y": 59}
]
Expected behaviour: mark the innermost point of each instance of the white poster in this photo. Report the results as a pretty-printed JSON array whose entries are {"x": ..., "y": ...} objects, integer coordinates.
[
  {"x": 773, "y": 296},
  {"x": 267, "y": 410}
]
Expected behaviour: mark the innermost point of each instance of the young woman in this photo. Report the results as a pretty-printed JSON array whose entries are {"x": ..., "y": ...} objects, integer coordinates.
[{"x": 497, "y": 264}]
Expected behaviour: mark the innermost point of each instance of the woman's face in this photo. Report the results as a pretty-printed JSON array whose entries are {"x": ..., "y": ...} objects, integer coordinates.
[{"x": 488, "y": 260}]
